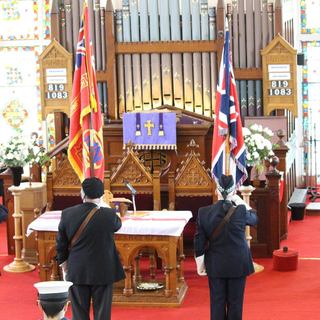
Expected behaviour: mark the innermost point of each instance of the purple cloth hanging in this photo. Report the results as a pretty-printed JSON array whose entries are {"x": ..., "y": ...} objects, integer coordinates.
[{"x": 150, "y": 130}]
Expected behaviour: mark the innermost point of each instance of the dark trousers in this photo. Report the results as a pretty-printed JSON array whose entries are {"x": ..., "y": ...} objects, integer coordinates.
[
  {"x": 81, "y": 296},
  {"x": 226, "y": 298}
]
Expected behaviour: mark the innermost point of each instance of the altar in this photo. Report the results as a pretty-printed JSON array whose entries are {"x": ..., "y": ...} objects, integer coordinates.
[{"x": 157, "y": 230}]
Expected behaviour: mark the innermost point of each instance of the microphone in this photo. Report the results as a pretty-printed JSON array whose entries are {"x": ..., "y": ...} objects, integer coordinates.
[{"x": 130, "y": 187}]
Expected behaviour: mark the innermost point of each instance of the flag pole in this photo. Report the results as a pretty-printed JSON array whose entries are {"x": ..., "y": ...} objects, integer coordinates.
[
  {"x": 227, "y": 155},
  {"x": 227, "y": 137},
  {"x": 91, "y": 92},
  {"x": 91, "y": 149}
]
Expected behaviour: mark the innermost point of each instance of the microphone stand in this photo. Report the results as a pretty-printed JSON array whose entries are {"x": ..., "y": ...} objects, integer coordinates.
[
  {"x": 134, "y": 203},
  {"x": 133, "y": 195}
]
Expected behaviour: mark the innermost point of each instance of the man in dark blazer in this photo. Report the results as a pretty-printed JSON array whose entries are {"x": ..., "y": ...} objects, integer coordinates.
[
  {"x": 227, "y": 259},
  {"x": 92, "y": 263}
]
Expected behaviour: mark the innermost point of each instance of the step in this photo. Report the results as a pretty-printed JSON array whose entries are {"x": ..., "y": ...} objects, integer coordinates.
[
  {"x": 313, "y": 209},
  {"x": 298, "y": 196}
]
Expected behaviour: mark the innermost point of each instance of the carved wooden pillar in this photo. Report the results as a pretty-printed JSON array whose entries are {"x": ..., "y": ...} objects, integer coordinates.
[
  {"x": 156, "y": 190},
  {"x": 107, "y": 179},
  {"x": 49, "y": 183},
  {"x": 137, "y": 273},
  {"x": 180, "y": 260},
  {"x": 246, "y": 192},
  {"x": 128, "y": 291},
  {"x": 171, "y": 190},
  {"x": 281, "y": 153},
  {"x": 273, "y": 180}
]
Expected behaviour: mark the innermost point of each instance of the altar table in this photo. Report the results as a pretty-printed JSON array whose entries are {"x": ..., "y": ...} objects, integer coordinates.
[{"x": 159, "y": 230}]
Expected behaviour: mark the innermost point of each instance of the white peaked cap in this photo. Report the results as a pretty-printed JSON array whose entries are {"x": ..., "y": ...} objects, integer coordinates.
[{"x": 53, "y": 289}]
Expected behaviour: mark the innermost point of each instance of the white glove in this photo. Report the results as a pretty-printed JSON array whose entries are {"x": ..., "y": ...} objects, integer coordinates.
[
  {"x": 104, "y": 204},
  {"x": 64, "y": 267},
  {"x": 238, "y": 200},
  {"x": 201, "y": 268}
]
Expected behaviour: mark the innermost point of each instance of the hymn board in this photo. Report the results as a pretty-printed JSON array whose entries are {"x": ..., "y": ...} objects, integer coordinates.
[
  {"x": 279, "y": 69},
  {"x": 55, "y": 79}
]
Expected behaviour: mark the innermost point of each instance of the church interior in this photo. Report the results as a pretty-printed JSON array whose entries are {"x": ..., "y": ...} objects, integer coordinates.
[{"x": 157, "y": 75}]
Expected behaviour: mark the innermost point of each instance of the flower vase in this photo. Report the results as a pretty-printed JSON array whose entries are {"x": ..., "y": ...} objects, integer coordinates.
[
  {"x": 16, "y": 175},
  {"x": 256, "y": 178}
]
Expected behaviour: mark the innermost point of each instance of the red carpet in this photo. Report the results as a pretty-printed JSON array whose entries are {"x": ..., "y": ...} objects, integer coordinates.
[
  {"x": 270, "y": 295},
  {"x": 302, "y": 237},
  {"x": 3, "y": 238}
]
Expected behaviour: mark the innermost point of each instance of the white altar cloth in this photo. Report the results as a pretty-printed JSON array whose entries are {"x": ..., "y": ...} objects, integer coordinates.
[{"x": 169, "y": 223}]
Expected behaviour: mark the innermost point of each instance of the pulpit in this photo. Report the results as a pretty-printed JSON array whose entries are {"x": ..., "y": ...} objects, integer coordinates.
[{"x": 33, "y": 196}]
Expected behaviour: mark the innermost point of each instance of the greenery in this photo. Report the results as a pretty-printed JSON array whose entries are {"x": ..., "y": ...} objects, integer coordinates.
[
  {"x": 19, "y": 151},
  {"x": 258, "y": 144},
  {"x": 15, "y": 152},
  {"x": 37, "y": 152}
]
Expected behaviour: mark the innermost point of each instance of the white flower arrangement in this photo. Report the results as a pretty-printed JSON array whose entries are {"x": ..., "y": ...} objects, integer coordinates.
[
  {"x": 258, "y": 144},
  {"x": 19, "y": 151},
  {"x": 37, "y": 152},
  {"x": 15, "y": 152}
]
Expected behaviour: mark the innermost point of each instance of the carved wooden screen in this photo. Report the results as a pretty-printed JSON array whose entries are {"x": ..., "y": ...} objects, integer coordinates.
[
  {"x": 191, "y": 179},
  {"x": 63, "y": 185},
  {"x": 132, "y": 169}
]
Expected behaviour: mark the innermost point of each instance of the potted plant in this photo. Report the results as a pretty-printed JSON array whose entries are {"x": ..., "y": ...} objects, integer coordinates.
[
  {"x": 14, "y": 155},
  {"x": 18, "y": 151},
  {"x": 38, "y": 156},
  {"x": 258, "y": 143}
]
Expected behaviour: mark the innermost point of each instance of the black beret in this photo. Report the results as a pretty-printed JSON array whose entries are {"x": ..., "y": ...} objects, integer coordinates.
[
  {"x": 226, "y": 183},
  {"x": 93, "y": 187}
]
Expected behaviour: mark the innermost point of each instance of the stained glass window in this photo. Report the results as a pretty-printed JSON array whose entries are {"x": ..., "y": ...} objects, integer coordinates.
[
  {"x": 24, "y": 33},
  {"x": 311, "y": 102},
  {"x": 310, "y": 23}
]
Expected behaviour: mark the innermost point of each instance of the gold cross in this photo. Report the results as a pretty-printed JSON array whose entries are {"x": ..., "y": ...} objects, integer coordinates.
[{"x": 149, "y": 125}]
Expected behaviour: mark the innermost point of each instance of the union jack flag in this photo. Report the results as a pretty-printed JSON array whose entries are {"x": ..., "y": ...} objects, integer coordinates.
[
  {"x": 85, "y": 151},
  {"x": 227, "y": 135}
]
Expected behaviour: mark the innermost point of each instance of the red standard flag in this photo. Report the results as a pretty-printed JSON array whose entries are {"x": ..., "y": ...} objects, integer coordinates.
[
  {"x": 85, "y": 151},
  {"x": 228, "y": 147}
]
